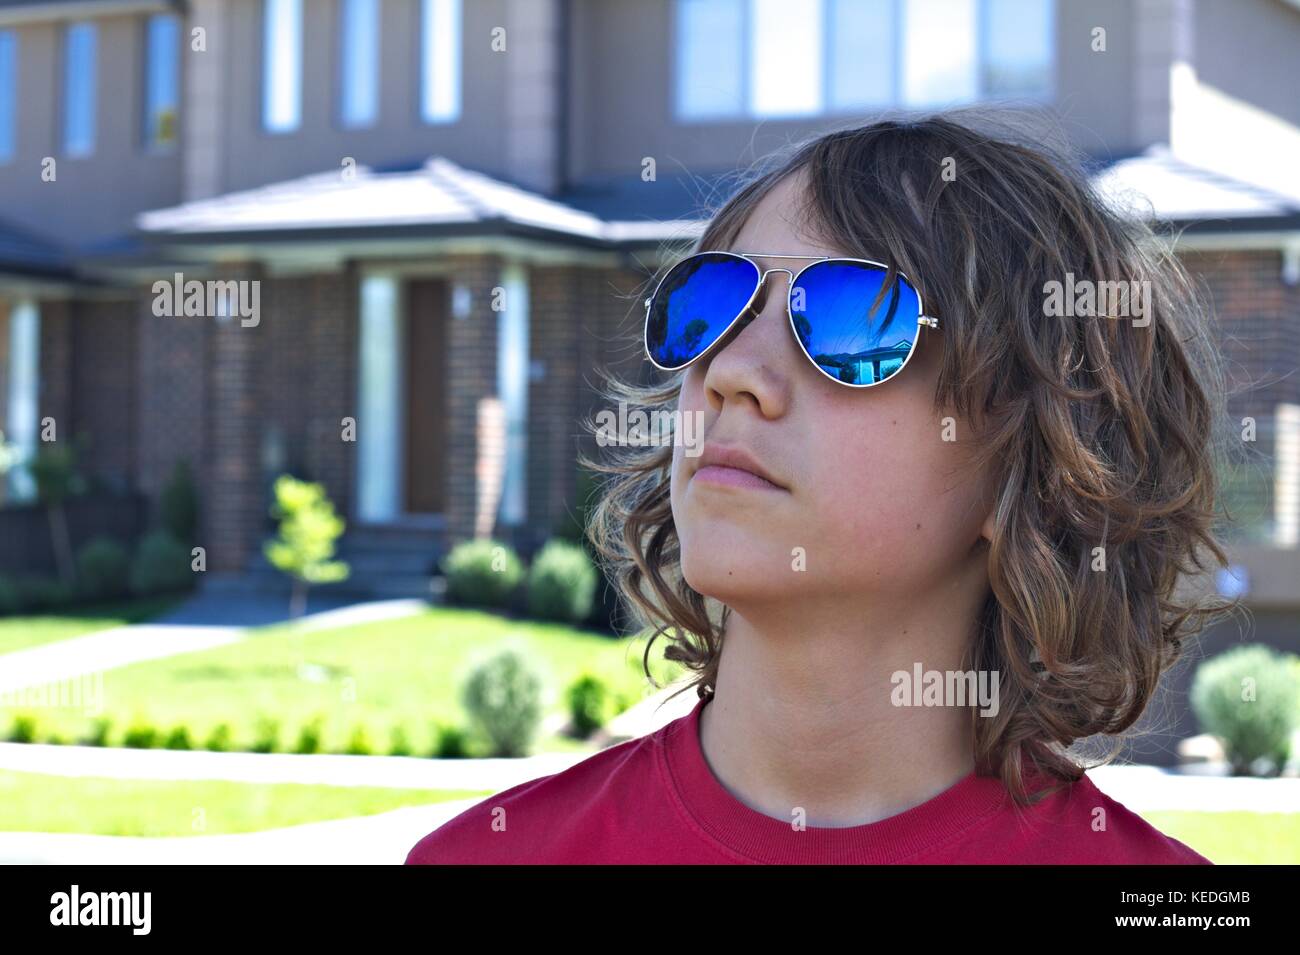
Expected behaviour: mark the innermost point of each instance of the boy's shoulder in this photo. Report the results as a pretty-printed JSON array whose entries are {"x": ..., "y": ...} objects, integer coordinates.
[
  {"x": 1084, "y": 826},
  {"x": 544, "y": 819}
]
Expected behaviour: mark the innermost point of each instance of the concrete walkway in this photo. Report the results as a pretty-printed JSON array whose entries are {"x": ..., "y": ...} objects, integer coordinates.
[
  {"x": 204, "y": 622},
  {"x": 1148, "y": 788}
]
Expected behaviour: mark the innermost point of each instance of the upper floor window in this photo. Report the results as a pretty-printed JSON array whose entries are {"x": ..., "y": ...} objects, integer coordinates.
[
  {"x": 8, "y": 93},
  {"x": 79, "y": 56},
  {"x": 162, "y": 75},
  {"x": 359, "y": 63},
  {"x": 281, "y": 65},
  {"x": 790, "y": 58},
  {"x": 440, "y": 60}
]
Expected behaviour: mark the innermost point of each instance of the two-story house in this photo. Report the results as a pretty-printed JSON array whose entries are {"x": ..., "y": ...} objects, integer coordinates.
[{"x": 451, "y": 207}]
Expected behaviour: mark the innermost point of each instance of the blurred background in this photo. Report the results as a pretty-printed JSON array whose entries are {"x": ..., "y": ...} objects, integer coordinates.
[{"x": 301, "y": 304}]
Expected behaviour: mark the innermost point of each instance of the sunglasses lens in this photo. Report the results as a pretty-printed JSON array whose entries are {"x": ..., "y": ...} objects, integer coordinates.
[
  {"x": 695, "y": 304},
  {"x": 851, "y": 331}
]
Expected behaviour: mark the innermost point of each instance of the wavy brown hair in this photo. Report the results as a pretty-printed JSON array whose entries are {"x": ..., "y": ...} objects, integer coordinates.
[{"x": 1100, "y": 433}]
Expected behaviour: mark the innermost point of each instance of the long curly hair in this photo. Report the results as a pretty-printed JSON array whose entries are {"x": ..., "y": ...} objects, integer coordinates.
[{"x": 1101, "y": 433}]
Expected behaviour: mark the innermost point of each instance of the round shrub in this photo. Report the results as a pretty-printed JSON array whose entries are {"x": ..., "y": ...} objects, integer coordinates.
[
  {"x": 309, "y": 736},
  {"x": 140, "y": 735},
  {"x": 358, "y": 743},
  {"x": 588, "y": 700},
  {"x": 162, "y": 565},
  {"x": 99, "y": 732},
  {"x": 219, "y": 739},
  {"x": 503, "y": 698},
  {"x": 399, "y": 745},
  {"x": 561, "y": 583},
  {"x": 1247, "y": 697},
  {"x": 268, "y": 736},
  {"x": 23, "y": 729},
  {"x": 482, "y": 573},
  {"x": 178, "y": 738},
  {"x": 104, "y": 569},
  {"x": 449, "y": 742}
]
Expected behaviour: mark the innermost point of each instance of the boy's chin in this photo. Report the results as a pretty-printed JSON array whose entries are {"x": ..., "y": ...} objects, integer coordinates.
[{"x": 736, "y": 579}]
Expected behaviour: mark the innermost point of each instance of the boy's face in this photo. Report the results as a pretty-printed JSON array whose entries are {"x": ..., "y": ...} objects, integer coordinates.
[{"x": 875, "y": 502}]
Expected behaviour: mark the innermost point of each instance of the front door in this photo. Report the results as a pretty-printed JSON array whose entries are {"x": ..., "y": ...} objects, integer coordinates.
[{"x": 425, "y": 378}]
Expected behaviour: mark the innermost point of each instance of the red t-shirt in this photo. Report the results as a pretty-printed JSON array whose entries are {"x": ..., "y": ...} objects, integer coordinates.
[{"x": 654, "y": 800}]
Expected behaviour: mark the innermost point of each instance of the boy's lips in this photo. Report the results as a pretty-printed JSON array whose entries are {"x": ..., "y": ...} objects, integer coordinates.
[{"x": 734, "y": 466}]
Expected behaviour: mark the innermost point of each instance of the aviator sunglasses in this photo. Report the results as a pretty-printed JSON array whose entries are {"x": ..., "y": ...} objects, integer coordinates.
[{"x": 856, "y": 326}]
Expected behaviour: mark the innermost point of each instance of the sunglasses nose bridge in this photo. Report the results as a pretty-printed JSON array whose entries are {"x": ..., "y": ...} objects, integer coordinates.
[{"x": 762, "y": 280}]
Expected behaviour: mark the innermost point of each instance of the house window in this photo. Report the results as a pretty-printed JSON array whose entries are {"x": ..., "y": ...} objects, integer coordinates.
[
  {"x": 512, "y": 386},
  {"x": 711, "y": 52},
  {"x": 282, "y": 65},
  {"x": 791, "y": 58},
  {"x": 359, "y": 63},
  {"x": 162, "y": 72},
  {"x": 938, "y": 52},
  {"x": 788, "y": 32},
  {"x": 440, "y": 60},
  {"x": 8, "y": 93},
  {"x": 1016, "y": 47},
  {"x": 21, "y": 421},
  {"x": 380, "y": 388},
  {"x": 861, "y": 60},
  {"x": 79, "y": 41}
]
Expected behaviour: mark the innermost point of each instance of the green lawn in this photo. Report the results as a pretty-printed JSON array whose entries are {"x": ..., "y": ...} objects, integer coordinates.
[
  {"x": 34, "y": 802},
  {"x": 20, "y": 633},
  {"x": 401, "y": 673},
  {"x": 1234, "y": 838}
]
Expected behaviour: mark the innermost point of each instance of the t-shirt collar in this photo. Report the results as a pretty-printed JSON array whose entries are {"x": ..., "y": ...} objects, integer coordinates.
[{"x": 762, "y": 838}]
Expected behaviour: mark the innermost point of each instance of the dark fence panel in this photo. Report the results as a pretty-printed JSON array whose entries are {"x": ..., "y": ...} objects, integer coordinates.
[{"x": 25, "y": 544}]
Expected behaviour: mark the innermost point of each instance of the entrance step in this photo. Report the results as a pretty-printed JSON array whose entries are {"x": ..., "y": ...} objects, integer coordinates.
[{"x": 390, "y": 561}]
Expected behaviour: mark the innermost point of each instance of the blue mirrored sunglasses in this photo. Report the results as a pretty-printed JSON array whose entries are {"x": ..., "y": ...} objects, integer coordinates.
[{"x": 856, "y": 326}]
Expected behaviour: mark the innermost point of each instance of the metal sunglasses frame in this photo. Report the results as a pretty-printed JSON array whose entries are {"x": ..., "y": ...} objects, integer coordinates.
[{"x": 921, "y": 318}]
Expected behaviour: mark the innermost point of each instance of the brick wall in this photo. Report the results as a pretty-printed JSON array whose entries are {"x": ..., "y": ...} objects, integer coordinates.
[
  {"x": 1259, "y": 322},
  {"x": 55, "y": 399},
  {"x": 306, "y": 380},
  {"x": 172, "y": 405},
  {"x": 104, "y": 387},
  {"x": 559, "y": 323},
  {"x": 234, "y": 506},
  {"x": 472, "y": 375},
  {"x": 580, "y": 318},
  {"x": 244, "y": 403},
  {"x": 1258, "y": 325},
  {"x": 331, "y": 387}
]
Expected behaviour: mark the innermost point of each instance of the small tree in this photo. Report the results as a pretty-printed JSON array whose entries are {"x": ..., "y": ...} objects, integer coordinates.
[{"x": 304, "y": 546}]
